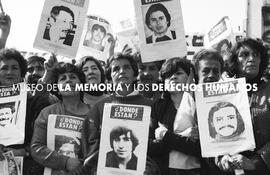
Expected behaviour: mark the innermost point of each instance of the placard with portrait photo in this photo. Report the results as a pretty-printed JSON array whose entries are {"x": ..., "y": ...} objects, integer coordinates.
[
  {"x": 224, "y": 118},
  {"x": 64, "y": 137},
  {"x": 96, "y": 38},
  {"x": 124, "y": 138},
  {"x": 61, "y": 25},
  {"x": 12, "y": 114},
  {"x": 161, "y": 29}
]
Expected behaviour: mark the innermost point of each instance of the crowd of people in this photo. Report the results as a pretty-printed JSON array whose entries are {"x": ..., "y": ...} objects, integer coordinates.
[{"x": 173, "y": 143}]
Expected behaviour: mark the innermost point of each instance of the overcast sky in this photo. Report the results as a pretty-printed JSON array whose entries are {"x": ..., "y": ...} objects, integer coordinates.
[{"x": 199, "y": 16}]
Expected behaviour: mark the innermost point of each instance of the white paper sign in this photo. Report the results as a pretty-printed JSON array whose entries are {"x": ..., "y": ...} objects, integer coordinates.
[
  {"x": 12, "y": 114},
  {"x": 124, "y": 139},
  {"x": 224, "y": 118},
  {"x": 161, "y": 29},
  {"x": 61, "y": 25},
  {"x": 96, "y": 39},
  {"x": 63, "y": 136}
]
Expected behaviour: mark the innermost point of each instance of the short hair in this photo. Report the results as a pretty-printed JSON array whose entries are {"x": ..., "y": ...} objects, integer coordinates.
[
  {"x": 154, "y": 8},
  {"x": 34, "y": 59},
  {"x": 97, "y": 26},
  {"x": 120, "y": 56},
  {"x": 122, "y": 130},
  {"x": 97, "y": 62},
  {"x": 13, "y": 54},
  {"x": 218, "y": 106},
  {"x": 56, "y": 10},
  {"x": 173, "y": 64},
  {"x": 206, "y": 54},
  {"x": 254, "y": 44},
  {"x": 66, "y": 68},
  {"x": 222, "y": 42}
]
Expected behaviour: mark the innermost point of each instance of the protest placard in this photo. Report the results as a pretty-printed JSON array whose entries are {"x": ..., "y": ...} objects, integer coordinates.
[
  {"x": 161, "y": 29},
  {"x": 61, "y": 25},
  {"x": 11, "y": 165},
  {"x": 64, "y": 137},
  {"x": 124, "y": 138},
  {"x": 224, "y": 118},
  {"x": 12, "y": 114},
  {"x": 97, "y": 38}
]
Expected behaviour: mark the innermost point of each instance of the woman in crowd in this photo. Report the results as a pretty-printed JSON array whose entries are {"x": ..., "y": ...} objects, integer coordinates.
[
  {"x": 249, "y": 60},
  {"x": 94, "y": 74},
  {"x": 71, "y": 103},
  {"x": 173, "y": 123},
  {"x": 13, "y": 68}
]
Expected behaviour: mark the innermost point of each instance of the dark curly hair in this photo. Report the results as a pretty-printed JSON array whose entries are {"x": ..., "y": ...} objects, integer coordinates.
[
  {"x": 254, "y": 44},
  {"x": 13, "y": 54},
  {"x": 67, "y": 68},
  {"x": 172, "y": 65},
  {"x": 121, "y": 130},
  {"x": 120, "y": 56}
]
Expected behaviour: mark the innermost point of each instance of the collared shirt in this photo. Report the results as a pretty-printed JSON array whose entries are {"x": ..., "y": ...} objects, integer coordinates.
[{"x": 168, "y": 34}]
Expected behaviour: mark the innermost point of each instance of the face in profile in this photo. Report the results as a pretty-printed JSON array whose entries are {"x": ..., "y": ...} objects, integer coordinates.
[
  {"x": 5, "y": 116},
  {"x": 62, "y": 25},
  {"x": 122, "y": 146},
  {"x": 67, "y": 149},
  {"x": 225, "y": 121},
  {"x": 158, "y": 23}
]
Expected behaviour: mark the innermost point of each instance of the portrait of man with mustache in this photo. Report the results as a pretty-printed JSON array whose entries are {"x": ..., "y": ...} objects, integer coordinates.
[{"x": 225, "y": 122}]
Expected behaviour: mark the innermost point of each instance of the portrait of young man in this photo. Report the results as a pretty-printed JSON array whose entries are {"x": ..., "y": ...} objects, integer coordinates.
[
  {"x": 98, "y": 33},
  {"x": 60, "y": 27},
  {"x": 123, "y": 143},
  {"x": 225, "y": 122},
  {"x": 7, "y": 114},
  {"x": 158, "y": 20}
]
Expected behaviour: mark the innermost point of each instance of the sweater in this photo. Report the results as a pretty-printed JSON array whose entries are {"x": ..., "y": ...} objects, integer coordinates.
[{"x": 39, "y": 150}]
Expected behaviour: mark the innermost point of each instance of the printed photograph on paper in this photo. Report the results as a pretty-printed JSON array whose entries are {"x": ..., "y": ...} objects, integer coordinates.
[
  {"x": 124, "y": 138},
  {"x": 158, "y": 22}
]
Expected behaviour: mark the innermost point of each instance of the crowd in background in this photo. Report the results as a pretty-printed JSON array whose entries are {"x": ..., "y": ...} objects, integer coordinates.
[{"x": 248, "y": 58}]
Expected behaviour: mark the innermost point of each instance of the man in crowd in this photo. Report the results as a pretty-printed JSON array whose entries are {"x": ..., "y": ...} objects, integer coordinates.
[
  {"x": 149, "y": 75},
  {"x": 123, "y": 142},
  {"x": 158, "y": 20},
  {"x": 60, "y": 26},
  {"x": 35, "y": 69}
]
